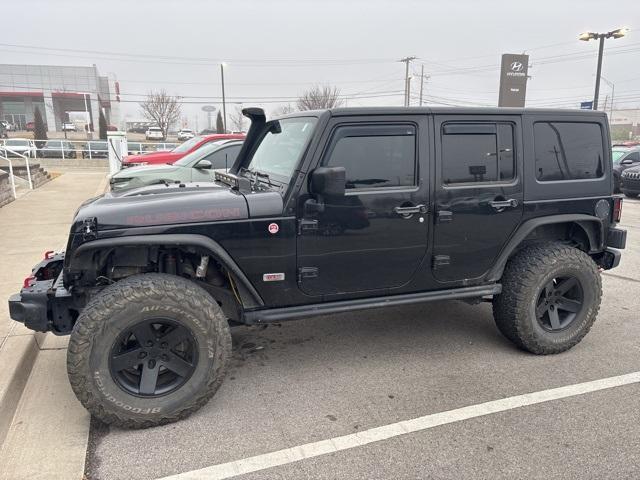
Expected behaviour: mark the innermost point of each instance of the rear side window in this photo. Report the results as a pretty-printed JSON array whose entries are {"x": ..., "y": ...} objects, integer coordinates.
[
  {"x": 375, "y": 156},
  {"x": 568, "y": 151},
  {"x": 477, "y": 153}
]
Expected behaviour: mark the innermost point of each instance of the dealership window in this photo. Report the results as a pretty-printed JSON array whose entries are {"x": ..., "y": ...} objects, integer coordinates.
[
  {"x": 477, "y": 152},
  {"x": 568, "y": 151},
  {"x": 375, "y": 156}
]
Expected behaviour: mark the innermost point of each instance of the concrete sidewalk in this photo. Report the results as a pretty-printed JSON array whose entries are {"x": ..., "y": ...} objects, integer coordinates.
[{"x": 34, "y": 223}]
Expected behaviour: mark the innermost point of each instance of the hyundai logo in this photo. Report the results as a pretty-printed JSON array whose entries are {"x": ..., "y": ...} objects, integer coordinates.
[{"x": 517, "y": 67}]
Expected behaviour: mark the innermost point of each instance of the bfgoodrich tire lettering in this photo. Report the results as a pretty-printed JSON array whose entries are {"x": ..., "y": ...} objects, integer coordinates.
[
  {"x": 525, "y": 280},
  {"x": 120, "y": 307}
]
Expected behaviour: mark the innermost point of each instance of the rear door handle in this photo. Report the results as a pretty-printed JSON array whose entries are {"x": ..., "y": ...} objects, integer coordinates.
[
  {"x": 410, "y": 210},
  {"x": 502, "y": 204}
]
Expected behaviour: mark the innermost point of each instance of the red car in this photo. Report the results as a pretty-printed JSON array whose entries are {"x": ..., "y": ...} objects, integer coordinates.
[{"x": 178, "y": 152}]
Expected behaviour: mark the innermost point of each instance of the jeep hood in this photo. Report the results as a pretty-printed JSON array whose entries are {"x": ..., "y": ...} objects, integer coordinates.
[{"x": 163, "y": 205}]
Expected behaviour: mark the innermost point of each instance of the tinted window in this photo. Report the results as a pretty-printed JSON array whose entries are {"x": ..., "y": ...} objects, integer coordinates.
[
  {"x": 375, "y": 156},
  {"x": 635, "y": 156},
  {"x": 568, "y": 150},
  {"x": 224, "y": 157},
  {"x": 474, "y": 153}
]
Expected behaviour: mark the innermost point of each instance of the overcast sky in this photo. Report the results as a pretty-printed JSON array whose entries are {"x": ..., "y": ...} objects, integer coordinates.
[{"x": 276, "y": 49}]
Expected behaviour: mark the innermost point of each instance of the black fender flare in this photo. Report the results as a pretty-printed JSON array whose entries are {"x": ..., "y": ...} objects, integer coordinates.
[
  {"x": 188, "y": 240},
  {"x": 593, "y": 228}
]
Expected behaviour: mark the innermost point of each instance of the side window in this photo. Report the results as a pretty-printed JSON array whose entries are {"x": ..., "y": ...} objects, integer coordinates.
[
  {"x": 224, "y": 157},
  {"x": 634, "y": 156},
  {"x": 568, "y": 150},
  {"x": 476, "y": 153},
  {"x": 375, "y": 156}
]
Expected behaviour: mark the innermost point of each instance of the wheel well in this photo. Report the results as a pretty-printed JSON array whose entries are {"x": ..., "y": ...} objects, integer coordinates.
[
  {"x": 575, "y": 234},
  {"x": 109, "y": 265}
]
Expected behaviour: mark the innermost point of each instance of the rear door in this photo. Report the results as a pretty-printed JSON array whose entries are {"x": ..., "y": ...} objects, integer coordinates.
[{"x": 479, "y": 193}]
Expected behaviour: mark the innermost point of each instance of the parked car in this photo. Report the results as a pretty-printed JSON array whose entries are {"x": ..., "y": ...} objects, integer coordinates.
[
  {"x": 69, "y": 127},
  {"x": 630, "y": 182},
  {"x": 197, "y": 166},
  {"x": 112, "y": 128},
  {"x": 177, "y": 153},
  {"x": 185, "y": 134},
  {"x": 95, "y": 149},
  {"x": 450, "y": 204},
  {"x": 57, "y": 149},
  {"x": 30, "y": 126},
  {"x": 623, "y": 158},
  {"x": 154, "y": 133},
  {"x": 19, "y": 146}
]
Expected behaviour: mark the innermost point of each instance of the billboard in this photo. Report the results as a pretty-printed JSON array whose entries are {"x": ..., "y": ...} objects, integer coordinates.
[{"x": 513, "y": 80}]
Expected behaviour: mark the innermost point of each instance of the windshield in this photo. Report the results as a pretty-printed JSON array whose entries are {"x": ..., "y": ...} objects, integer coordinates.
[
  {"x": 617, "y": 155},
  {"x": 188, "y": 145},
  {"x": 196, "y": 155},
  {"x": 278, "y": 153},
  {"x": 17, "y": 143}
]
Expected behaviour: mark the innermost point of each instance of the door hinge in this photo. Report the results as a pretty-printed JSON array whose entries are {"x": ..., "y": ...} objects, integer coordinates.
[
  {"x": 307, "y": 272},
  {"x": 307, "y": 226},
  {"x": 441, "y": 261},
  {"x": 89, "y": 228}
]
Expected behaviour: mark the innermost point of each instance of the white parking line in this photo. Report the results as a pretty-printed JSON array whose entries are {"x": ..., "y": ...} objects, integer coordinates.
[{"x": 346, "y": 442}]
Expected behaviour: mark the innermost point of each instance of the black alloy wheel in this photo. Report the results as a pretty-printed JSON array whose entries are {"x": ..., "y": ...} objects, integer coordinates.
[
  {"x": 153, "y": 357},
  {"x": 559, "y": 303}
]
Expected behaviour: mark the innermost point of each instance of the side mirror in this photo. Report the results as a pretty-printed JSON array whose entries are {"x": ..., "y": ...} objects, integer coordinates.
[
  {"x": 204, "y": 165},
  {"x": 328, "y": 181},
  {"x": 627, "y": 162}
]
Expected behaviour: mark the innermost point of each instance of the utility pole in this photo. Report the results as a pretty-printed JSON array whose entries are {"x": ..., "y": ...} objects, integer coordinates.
[
  {"x": 224, "y": 106},
  {"x": 406, "y": 61}
]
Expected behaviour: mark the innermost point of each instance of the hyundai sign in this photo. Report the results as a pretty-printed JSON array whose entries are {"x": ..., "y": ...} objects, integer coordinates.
[{"x": 513, "y": 80}]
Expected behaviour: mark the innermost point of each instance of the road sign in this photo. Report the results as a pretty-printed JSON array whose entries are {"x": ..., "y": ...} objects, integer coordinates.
[
  {"x": 208, "y": 108},
  {"x": 586, "y": 105}
]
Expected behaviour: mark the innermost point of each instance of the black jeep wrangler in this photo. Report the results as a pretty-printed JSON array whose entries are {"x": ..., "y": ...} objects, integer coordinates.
[{"x": 324, "y": 212}]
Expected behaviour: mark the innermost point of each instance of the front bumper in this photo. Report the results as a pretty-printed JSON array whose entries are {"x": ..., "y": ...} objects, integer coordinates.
[{"x": 45, "y": 305}]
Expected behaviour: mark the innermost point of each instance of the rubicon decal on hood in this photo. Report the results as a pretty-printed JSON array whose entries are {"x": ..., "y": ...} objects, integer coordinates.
[{"x": 198, "y": 215}]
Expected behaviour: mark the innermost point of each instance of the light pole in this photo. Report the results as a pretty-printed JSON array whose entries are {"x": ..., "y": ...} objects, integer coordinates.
[
  {"x": 224, "y": 106},
  {"x": 585, "y": 37},
  {"x": 613, "y": 91}
]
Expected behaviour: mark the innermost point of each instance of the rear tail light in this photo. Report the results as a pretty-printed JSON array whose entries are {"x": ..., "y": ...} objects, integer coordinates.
[
  {"x": 617, "y": 209},
  {"x": 30, "y": 281},
  {"x": 48, "y": 254}
]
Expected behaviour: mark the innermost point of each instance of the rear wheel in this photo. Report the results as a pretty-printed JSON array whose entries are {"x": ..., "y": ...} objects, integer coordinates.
[
  {"x": 550, "y": 298},
  {"x": 148, "y": 350}
]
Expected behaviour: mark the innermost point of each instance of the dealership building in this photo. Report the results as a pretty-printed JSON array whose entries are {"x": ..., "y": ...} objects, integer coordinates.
[{"x": 62, "y": 93}]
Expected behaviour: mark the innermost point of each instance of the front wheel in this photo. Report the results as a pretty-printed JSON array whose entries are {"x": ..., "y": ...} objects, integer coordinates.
[
  {"x": 550, "y": 298},
  {"x": 148, "y": 350}
]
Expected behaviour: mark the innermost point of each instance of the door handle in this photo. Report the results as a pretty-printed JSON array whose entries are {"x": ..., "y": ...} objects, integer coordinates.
[
  {"x": 410, "y": 210},
  {"x": 502, "y": 204}
]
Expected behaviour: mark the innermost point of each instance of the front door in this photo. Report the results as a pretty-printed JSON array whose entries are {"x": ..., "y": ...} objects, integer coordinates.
[
  {"x": 479, "y": 196},
  {"x": 375, "y": 236}
]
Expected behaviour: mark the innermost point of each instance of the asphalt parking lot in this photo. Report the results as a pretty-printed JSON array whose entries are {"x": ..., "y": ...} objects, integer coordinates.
[{"x": 300, "y": 382}]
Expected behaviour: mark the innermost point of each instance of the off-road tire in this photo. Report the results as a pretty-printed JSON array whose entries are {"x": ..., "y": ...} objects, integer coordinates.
[
  {"x": 524, "y": 277},
  {"x": 132, "y": 300}
]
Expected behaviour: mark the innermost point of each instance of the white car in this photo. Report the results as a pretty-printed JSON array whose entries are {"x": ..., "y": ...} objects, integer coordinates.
[
  {"x": 185, "y": 134},
  {"x": 18, "y": 146},
  {"x": 154, "y": 133},
  {"x": 69, "y": 127}
]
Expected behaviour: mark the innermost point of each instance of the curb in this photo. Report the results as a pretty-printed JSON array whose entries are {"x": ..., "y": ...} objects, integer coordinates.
[{"x": 18, "y": 356}]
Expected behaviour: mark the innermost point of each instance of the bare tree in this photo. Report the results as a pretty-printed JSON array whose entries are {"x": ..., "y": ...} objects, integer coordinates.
[
  {"x": 320, "y": 97},
  {"x": 161, "y": 108},
  {"x": 237, "y": 120},
  {"x": 282, "y": 110}
]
